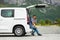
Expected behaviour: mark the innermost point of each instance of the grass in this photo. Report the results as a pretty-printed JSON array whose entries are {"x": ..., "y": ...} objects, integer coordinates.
[{"x": 48, "y": 25}]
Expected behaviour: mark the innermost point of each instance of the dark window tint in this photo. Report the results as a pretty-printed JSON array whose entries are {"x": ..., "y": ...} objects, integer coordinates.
[{"x": 7, "y": 13}]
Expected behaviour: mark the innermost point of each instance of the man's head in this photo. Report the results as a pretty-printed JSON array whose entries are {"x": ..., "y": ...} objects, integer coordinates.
[{"x": 34, "y": 16}]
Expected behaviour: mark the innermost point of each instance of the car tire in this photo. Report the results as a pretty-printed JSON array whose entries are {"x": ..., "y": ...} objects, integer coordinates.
[{"x": 19, "y": 31}]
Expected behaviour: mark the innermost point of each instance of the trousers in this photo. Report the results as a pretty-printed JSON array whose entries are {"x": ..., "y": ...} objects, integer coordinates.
[{"x": 34, "y": 29}]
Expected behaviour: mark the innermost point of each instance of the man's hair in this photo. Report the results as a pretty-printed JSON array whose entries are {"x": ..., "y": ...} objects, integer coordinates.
[{"x": 34, "y": 15}]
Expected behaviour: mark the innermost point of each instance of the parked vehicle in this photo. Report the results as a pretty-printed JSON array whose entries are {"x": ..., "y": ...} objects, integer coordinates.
[{"x": 14, "y": 20}]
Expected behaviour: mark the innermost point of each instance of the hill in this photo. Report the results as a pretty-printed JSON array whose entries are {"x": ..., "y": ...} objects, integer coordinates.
[{"x": 52, "y": 13}]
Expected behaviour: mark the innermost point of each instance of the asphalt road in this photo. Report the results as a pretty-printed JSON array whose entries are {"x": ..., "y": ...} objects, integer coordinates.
[
  {"x": 53, "y": 29},
  {"x": 48, "y": 33},
  {"x": 29, "y": 37}
]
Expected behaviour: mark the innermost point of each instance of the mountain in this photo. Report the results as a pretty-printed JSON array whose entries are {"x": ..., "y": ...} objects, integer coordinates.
[
  {"x": 52, "y": 13},
  {"x": 1, "y": 1},
  {"x": 53, "y": 2}
]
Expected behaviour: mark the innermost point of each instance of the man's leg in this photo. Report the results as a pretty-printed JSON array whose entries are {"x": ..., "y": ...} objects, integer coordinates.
[
  {"x": 31, "y": 26},
  {"x": 37, "y": 31},
  {"x": 33, "y": 32}
]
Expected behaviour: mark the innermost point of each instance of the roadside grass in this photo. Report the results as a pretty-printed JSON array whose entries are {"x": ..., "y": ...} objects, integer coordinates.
[{"x": 48, "y": 25}]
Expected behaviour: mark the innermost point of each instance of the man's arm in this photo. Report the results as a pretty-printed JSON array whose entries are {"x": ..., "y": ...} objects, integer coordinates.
[{"x": 33, "y": 23}]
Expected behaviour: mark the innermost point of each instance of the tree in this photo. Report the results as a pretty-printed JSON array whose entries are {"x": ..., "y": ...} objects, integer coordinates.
[{"x": 32, "y": 2}]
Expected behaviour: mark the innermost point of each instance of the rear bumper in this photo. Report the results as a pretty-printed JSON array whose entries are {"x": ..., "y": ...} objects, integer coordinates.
[{"x": 28, "y": 29}]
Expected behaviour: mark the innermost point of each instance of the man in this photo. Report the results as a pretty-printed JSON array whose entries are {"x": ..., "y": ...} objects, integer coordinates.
[{"x": 32, "y": 23}]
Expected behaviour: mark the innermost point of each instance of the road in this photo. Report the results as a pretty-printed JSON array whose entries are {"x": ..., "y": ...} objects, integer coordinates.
[
  {"x": 48, "y": 33},
  {"x": 28, "y": 37},
  {"x": 53, "y": 29}
]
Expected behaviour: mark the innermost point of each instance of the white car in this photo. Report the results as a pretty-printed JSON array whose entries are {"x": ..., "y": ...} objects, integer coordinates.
[{"x": 14, "y": 20}]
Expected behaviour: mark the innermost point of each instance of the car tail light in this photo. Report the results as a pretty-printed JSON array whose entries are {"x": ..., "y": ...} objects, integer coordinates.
[{"x": 27, "y": 19}]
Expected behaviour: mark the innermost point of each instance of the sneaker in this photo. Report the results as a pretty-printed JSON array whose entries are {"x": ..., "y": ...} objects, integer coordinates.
[
  {"x": 39, "y": 34},
  {"x": 32, "y": 34}
]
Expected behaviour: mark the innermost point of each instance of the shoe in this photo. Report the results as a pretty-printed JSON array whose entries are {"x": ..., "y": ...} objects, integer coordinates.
[
  {"x": 39, "y": 34},
  {"x": 32, "y": 34}
]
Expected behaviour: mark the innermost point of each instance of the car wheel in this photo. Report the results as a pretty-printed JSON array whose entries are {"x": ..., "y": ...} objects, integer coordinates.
[{"x": 19, "y": 31}]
